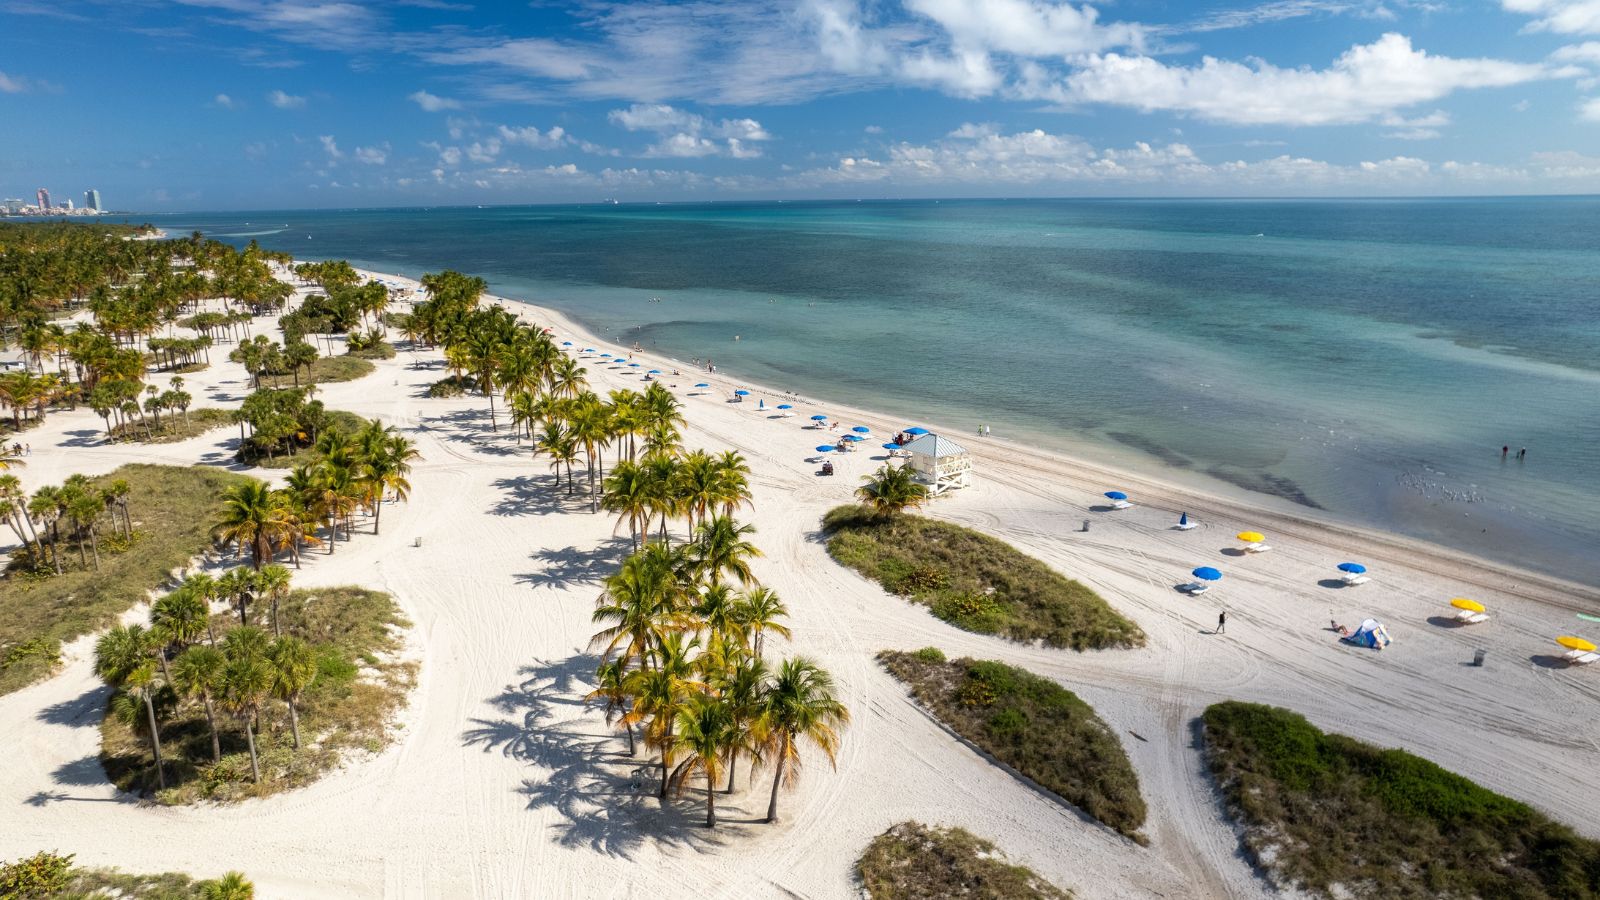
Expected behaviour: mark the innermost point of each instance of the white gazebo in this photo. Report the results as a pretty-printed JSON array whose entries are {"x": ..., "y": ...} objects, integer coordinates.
[{"x": 940, "y": 463}]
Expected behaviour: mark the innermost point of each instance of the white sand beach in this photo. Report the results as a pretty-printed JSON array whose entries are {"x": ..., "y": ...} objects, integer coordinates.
[{"x": 502, "y": 784}]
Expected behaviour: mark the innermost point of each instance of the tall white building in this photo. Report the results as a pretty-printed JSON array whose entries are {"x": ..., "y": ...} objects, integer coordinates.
[{"x": 91, "y": 200}]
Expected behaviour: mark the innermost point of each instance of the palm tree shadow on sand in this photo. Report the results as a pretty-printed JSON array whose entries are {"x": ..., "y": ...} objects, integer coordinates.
[
  {"x": 586, "y": 774},
  {"x": 577, "y": 565}
]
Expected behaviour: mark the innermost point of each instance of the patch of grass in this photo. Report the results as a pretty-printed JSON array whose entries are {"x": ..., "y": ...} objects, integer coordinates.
[
  {"x": 1031, "y": 724},
  {"x": 379, "y": 350},
  {"x": 911, "y": 861},
  {"x": 191, "y": 368},
  {"x": 53, "y": 875},
  {"x": 175, "y": 428},
  {"x": 974, "y": 581},
  {"x": 453, "y": 386},
  {"x": 326, "y": 369},
  {"x": 172, "y": 510},
  {"x": 1336, "y": 817},
  {"x": 360, "y": 685}
]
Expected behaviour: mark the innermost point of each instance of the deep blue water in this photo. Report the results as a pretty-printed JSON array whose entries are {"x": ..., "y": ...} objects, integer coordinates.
[{"x": 1367, "y": 357}]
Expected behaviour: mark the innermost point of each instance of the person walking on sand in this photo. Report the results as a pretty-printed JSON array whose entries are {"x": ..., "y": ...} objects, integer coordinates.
[{"x": 1222, "y": 623}]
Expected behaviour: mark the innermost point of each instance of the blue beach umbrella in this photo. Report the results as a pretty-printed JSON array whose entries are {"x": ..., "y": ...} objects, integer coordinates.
[
  {"x": 852, "y": 438},
  {"x": 861, "y": 429},
  {"x": 1352, "y": 568},
  {"x": 633, "y": 365},
  {"x": 588, "y": 349},
  {"x": 891, "y": 446},
  {"x": 1206, "y": 572},
  {"x": 819, "y": 418},
  {"x": 653, "y": 372},
  {"x": 1183, "y": 519},
  {"x": 605, "y": 355},
  {"x": 785, "y": 406},
  {"x": 702, "y": 384},
  {"x": 1116, "y": 495},
  {"x": 917, "y": 431},
  {"x": 566, "y": 343},
  {"x": 824, "y": 448},
  {"x": 741, "y": 393}
]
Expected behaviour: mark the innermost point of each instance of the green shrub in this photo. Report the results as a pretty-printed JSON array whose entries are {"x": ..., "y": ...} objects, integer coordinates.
[
  {"x": 929, "y": 655},
  {"x": 40, "y": 875},
  {"x": 1335, "y": 817},
  {"x": 453, "y": 386},
  {"x": 1033, "y": 725},
  {"x": 914, "y": 862},
  {"x": 973, "y": 581}
]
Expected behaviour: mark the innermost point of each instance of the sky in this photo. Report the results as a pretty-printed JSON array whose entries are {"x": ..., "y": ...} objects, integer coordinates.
[{"x": 273, "y": 104}]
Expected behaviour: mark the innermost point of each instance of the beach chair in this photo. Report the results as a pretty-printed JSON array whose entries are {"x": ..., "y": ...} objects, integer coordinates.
[
  {"x": 1194, "y": 588},
  {"x": 1579, "y": 658},
  {"x": 1257, "y": 547},
  {"x": 1468, "y": 617},
  {"x": 1352, "y": 579},
  {"x": 1121, "y": 504}
]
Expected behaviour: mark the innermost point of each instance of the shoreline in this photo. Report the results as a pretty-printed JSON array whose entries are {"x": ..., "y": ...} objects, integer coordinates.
[{"x": 1365, "y": 541}]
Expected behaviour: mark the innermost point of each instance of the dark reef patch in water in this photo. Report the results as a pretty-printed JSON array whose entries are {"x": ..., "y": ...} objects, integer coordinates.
[
  {"x": 1139, "y": 442},
  {"x": 1265, "y": 483}
]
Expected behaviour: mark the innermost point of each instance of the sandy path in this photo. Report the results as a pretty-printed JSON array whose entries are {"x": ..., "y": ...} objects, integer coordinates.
[{"x": 502, "y": 785}]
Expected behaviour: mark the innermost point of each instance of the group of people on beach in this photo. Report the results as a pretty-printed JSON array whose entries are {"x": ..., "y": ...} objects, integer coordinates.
[{"x": 1506, "y": 451}]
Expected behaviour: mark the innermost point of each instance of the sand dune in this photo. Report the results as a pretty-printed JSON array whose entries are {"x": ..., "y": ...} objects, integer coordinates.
[{"x": 502, "y": 785}]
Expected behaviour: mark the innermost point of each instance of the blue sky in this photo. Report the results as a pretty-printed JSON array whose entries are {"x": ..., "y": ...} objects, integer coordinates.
[{"x": 239, "y": 104}]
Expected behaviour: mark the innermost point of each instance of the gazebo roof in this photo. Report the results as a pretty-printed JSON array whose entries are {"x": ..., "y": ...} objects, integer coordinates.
[{"x": 934, "y": 445}]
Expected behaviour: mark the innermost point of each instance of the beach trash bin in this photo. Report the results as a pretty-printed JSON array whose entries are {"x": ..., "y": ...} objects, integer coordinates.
[
  {"x": 1477, "y": 656},
  {"x": 1085, "y": 524}
]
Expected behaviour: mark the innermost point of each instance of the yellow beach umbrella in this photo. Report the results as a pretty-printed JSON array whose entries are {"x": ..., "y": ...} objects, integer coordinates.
[
  {"x": 1251, "y": 537},
  {"x": 1575, "y": 643},
  {"x": 1468, "y": 605}
]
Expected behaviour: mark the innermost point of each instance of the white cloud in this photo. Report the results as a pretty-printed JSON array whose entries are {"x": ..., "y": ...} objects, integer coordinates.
[
  {"x": 873, "y": 129},
  {"x": 432, "y": 103},
  {"x": 16, "y": 84},
  {"x": 1586, "y": 52},
  {"x": 372, "y": 156},
  {"x": 285, "y": 101},
  {"x": 1365, "y": 82},
  {"x": 686, "y": 134},
  {"x": 330, "y": 146},
  {"x": 483, "y": 151},
  {"x": 1589, "y": 110},
  {"x": 530, "y": 136},
  {"x": 1421, "y": 128},
  {"x": 1559, "y": 16},
  {"x": 224, "y": 101},
  {"x": 1027, "y": 28},
  {"x": 9, "y": 85}
]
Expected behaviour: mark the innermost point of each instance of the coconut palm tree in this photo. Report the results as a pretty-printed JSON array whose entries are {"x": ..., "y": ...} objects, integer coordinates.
[
  {"x": 246, "y": 682},
  {"x": 641, "y": 602},
  {"x": 733, "y": 481},
  {"x": 557, "y": 443},
  {"x": 197, "y": 674},
  {"x": 591, "y": 427},
  {"x": 628, "y": 493},
  {"x": 800, "y": 705},
  {"x": 14, "y": 508},
  {"x": 659, "y": 691},
  {"x": 721, "y": 548},
  {"x": 254, "y": 516},
  {"x": 611, "y": 692},
  {"x": 759, "y": 610},
  {"x": 124, "y": 658},
  {"x": 294, "y": 668},
  {"x": 705, "y": 731},
  {"x": 743, "y": 688},
  {"x": 716, "y": 613},
  {"x": 892, "y": 490},
  {"x": 386, "y": 461}
]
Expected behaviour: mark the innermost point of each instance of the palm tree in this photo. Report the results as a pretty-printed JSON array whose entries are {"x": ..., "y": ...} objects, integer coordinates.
[
  {"x": 743, "y": 687},
  {"x": 627, "y": 493},
  {"x": 892, "y": 490},
  {"x": 705, "y": 731},
  {"x": 232, "y": 886},
  {"x": 178, "y": 620},
  {"x": 254, "y": 516},
  {"x": 733, "y": 481},
  {"x": 659, "y": 690},
  {"x": 124, "y": 658},
  {"x": 238, "y": 587},
  {"x": 642, "y": 602},
  {"x": 273, "y": 582},
  {"x": 721, "y": 548},
  {"x": 717, "y": 612},
  {"x": 612, "y": 688},
  {"x": 386, "y": 461},
  {"x": 590, "y": 423},
  {"x": 294, "y": 668},
  {"x": 246, "y": 681},
  {"x": 46, "y": 507},
  {"x": 799, "y": 705},
  {"x": 197, "y": 673},
  {"x": 14, "y": 509},
  {"x": 759, "y": 610}
]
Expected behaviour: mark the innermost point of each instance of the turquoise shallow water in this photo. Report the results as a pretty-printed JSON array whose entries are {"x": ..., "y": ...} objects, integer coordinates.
[{"x": 1366, "y": 358}]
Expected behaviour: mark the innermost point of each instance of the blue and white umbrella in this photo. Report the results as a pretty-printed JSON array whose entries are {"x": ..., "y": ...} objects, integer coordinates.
[
  {"x": 566, "y": 343},
  {"x": 633, "y": 365},
  {"x": 702, "y": 384},
  {"x": 819, "y": 418},
  {"x": 852, "y": 438},
  {"x": 1352, "y": 568},
  {"x": 653, "y": 372},
  {"x": 891, "y": 446},
  {"x": 1207, "y": 573},
  {"x": 824, "y": 448},
  {"x": 861, "y": 429},
  {"x": 917, "y": 431},
  {"x": 741, "y": 393},
  {"x": 607, "y": 355},
  {"x": 1116, "y": 495},
  {"x": 785, "y": 406}
]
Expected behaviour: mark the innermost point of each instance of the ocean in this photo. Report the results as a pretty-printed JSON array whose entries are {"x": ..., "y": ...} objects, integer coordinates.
[{"x": 1361, "y": 361}]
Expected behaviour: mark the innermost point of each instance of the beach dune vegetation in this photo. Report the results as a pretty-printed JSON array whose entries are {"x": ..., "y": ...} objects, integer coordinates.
[
  {"x": 1331, "y": 816},
  {"x": 912, "y": 861},
  {"x": 973, "y": 581}
]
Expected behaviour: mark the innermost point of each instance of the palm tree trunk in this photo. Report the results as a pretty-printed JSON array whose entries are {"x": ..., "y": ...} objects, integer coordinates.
[
  {"x": 255, "y": 767},
  {"x": 711, "y": 801},
  {"x": 211, "y": 721},
  {"x": 155, "y": 739},
  {"x": 777, "y": 779},
  {"x": 377, "y": 510},
  {"x": 632, "y": 751},
  {"x": 733, "y": 763},
  {"x": 276, "y": 631},
  {"x": 294, "y": 723}
]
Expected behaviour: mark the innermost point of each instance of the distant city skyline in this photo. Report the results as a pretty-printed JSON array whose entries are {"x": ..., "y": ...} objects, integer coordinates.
[
  {"x": 304, "y": 103},
  {"x": 44, "y": 204}
]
